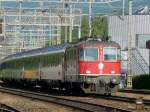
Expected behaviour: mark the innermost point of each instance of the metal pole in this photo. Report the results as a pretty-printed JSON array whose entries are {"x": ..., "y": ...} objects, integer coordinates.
[
  {"x": 0, "y": 7},
  {"x": 63, "y": 13},
  {"x": 71, "y": 23},
  {"x": 79, "y": 32},
  {"x": 20, "y": 9},
  {"x": 70, "y": 34},
  {"x": 79, "y": 29},
  {"x": 66, "y": 34},
  {"x": 123, "y": 7},
  {"x": 4, "y": 26},
  {"x": 130, "y": 7},
  {"x": 90, "y": 18},
  {"x": 129, "y": 77}
]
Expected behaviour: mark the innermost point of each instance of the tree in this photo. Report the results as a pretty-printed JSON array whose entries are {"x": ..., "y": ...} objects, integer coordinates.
[
  {"x": 100, "y": 27},
  {"x": 84, "y": 27}
]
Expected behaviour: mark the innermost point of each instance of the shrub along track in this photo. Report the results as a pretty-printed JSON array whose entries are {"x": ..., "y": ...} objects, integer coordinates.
[{"x": 81, "y": 105}]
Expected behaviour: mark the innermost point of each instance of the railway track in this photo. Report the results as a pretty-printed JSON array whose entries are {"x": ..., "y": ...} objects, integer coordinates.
[
  {"x": 142, "y": 91},
  {"x": 85, "y": 106},
  {"x": 6, "y": 108},
  {"x": 124, "y": 99}
]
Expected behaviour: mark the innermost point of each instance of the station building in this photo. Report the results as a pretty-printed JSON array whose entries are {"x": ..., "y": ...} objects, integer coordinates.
[{"x": 137, "y": 29}]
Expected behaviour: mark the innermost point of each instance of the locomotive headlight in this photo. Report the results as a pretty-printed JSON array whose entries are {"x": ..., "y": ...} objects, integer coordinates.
[
  {"x": 101, "y": 66},
  {"x": 113, "y": 72},
  {"x": 88, "y": 72}
]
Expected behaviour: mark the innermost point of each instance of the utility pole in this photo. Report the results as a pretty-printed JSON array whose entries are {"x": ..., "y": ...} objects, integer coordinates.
[
  {"x": 64, "y": 8},
  {"x": 71, "y": 22},
  {"x": 20, "y": 12},
  {"x": 129, "y": 77},
  {"x": 90, "y": 18},
  {"x": 123, "y": 7},
  {"x": 130, "y": 7}
]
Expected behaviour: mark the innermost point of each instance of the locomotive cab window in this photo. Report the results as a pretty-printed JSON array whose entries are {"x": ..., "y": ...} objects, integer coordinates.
[
  {"x": 110, "y": 54},
  {"x": 88, "y": 54}
]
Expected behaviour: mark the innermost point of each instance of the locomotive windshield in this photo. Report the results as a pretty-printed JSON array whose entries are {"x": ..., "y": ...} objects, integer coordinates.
[
  {"x": 89, "y": 54},
  {"x": 110, "y": 54}
]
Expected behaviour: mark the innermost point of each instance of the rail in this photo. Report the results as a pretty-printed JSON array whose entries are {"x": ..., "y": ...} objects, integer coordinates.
[
  {"x": 88, "y": 107},
  {"x": 6, "y": 108},
  {"x": 124, "y": 99},
  {"x": 137, "y": 91}
]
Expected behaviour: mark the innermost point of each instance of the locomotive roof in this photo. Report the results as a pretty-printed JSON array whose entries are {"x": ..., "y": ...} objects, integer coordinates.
[
  {"x": 59, "y": 48},
  {"x": 91, "y": 41}
]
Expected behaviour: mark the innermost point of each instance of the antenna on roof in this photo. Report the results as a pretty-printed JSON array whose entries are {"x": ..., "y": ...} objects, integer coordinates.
[{"x": 107, "y": 38}]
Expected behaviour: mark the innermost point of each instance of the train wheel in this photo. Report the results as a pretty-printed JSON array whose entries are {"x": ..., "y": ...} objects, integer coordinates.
[{"x": 107, "y": 94}]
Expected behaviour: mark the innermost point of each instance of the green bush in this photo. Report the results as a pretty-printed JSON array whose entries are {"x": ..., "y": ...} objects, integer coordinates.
[{"x": 141, "y": 82}]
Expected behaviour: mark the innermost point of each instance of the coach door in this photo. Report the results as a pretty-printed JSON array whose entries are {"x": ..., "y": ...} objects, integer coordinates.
[{"x": 71, "y": 67}]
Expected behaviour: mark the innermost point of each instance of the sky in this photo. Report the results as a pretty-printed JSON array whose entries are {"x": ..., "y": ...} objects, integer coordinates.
[{"x": 97, "y": 8}]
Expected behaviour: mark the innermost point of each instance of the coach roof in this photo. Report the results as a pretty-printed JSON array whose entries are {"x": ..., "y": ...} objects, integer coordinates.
[{"x": 40, "y": 51}]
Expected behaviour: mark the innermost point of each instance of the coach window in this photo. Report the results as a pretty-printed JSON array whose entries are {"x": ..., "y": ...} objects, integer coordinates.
[
  {"x": 74, "y": 54},
  {"x": 110, "y": 54},
  {"x": 89, "y": 54},
  {"x": 70, "y": 54},
  {"x": 72, "y": 57},
  {"x": 67, "y": 55}
]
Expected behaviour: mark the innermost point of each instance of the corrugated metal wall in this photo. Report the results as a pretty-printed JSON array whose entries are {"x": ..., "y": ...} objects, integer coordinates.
[{"x": 119, "y": 28}]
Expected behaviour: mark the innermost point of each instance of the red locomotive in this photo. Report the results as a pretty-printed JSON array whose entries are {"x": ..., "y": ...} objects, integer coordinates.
[
  {"x": 99, "y": 66},
  {"x": 90, "y": 65}
]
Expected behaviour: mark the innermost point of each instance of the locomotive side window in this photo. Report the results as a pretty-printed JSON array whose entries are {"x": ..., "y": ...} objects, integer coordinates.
[
  {"x": 82, "y": 54},
  {"x": 118, "y": 54},
  {"x": 110, "y": 54},
  {"x": 89, "y": 54}
]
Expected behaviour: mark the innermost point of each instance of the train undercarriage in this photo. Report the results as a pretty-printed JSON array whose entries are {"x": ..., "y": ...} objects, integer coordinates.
[{"x": 97, "y": 85}]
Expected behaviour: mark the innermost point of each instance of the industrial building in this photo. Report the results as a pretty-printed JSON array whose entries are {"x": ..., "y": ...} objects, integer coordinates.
[{"x": 136, "y": 29}]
